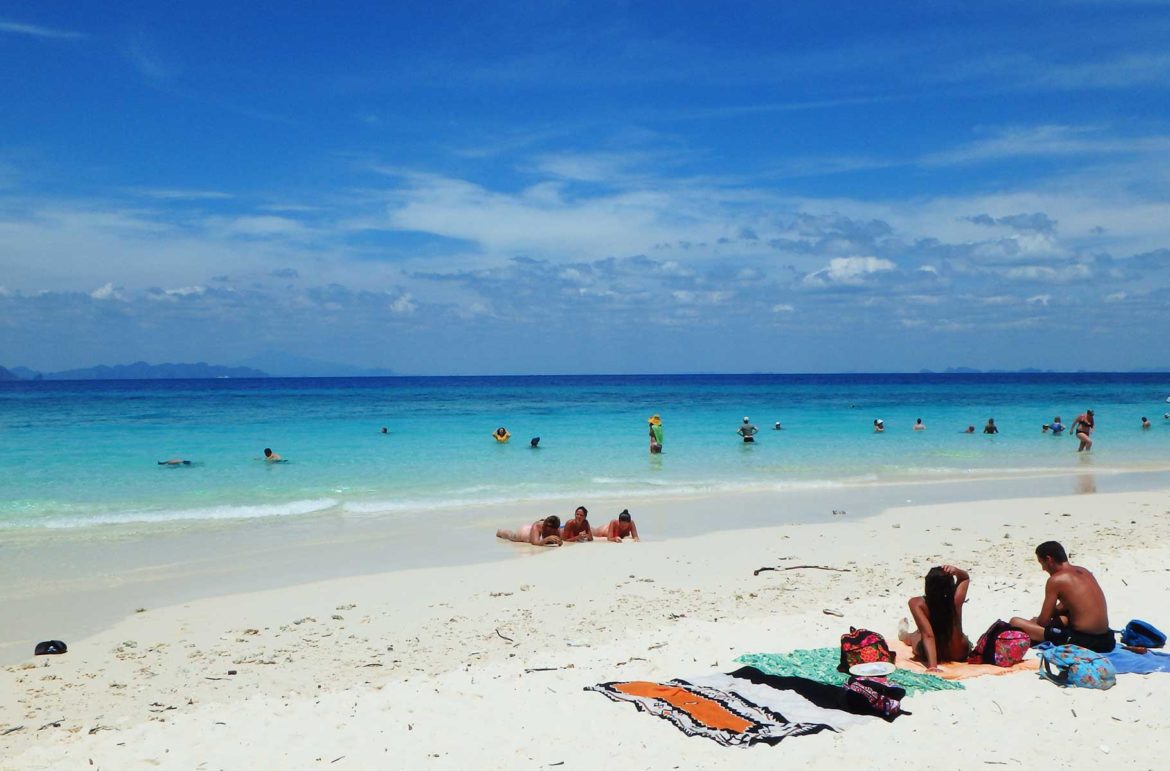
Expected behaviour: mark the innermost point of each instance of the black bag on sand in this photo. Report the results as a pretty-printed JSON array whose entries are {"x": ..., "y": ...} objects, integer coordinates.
[{"x": 50, "y": 648}]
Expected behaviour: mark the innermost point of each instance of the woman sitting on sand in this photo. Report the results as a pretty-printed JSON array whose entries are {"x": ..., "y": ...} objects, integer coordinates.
[{"x": 939, "y": 615}]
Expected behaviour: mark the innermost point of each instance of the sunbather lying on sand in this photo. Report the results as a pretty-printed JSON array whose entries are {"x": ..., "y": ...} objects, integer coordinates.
[
  {"x": 577, "y": 528},
  {"x": 542, "y": 532},
  {"x": 1074, "y": 610},
  {"x": 617, "y": 529}
]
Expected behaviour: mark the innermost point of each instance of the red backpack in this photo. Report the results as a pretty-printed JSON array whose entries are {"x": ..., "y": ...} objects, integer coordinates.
[{"x": 861, "y": 646}]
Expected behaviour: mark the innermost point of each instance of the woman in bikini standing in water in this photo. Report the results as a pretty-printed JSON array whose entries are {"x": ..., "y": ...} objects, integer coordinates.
[{"x": 939, "y": 616}]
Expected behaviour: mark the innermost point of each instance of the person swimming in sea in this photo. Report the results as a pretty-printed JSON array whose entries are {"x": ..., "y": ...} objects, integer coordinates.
[
  {"x": 271, "y": 457},
  {"x": 174, "y": 462},
  {"x": 501, "y": 435}
]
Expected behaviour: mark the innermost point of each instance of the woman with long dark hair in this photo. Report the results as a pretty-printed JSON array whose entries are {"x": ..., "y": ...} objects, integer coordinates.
[{"x": 939, "y": 616}]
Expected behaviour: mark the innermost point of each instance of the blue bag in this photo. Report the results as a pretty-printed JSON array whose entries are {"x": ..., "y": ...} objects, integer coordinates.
[
  {"x": 1142, "y": 634},
  {"x": 1072, "y": 665}
]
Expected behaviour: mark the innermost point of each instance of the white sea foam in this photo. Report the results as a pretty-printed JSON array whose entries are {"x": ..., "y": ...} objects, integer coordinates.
[{"x": 289, "y": 509}]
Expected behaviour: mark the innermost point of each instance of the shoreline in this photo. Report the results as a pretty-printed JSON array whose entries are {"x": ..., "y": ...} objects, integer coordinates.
[
  {"x": 374, "y": 669},
  {"x": 123, "y": 569}
]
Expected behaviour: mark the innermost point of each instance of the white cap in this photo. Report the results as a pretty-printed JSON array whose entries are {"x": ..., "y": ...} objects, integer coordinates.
[{"x": 746, "y": 420}]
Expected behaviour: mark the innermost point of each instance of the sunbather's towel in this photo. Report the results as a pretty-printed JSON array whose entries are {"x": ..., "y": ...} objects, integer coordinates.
[
  {"x": 959, "y": 670},
  {"x": 731, "y": 710},
  {"x": 1126, "y": 662},
  {"x": 1129, "y": 663},
  {"x": 820, "y": 664},
  {"x": 798, "y": 699}
]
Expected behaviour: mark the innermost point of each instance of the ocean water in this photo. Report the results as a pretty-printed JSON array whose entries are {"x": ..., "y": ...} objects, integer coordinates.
[{"x": 83, "y": 454}]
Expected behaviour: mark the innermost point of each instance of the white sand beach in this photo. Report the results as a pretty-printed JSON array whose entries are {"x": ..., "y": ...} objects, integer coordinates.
[{"x": 483, "y": 665}]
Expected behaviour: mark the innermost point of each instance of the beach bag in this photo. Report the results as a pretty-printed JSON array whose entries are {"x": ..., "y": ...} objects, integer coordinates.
[
  {"x": 861, "y": 646},
  {"x": 1072, "y": 665},
  {"x": 1000, "y": 645},
  {"x": 874, "y": 696},
  {"x": 1142, "y": 634}
]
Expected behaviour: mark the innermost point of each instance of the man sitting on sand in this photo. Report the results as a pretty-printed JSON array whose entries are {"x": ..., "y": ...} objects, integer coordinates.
[
  {"x": 577, "y": 528},
  {"x": 542, "y": 532},
  {"x": 1074, "y": 610},
  {"x": 617, "y": 529}
]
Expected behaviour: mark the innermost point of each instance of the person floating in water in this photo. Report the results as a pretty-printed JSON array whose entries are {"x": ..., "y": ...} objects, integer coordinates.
[
  {"x": 1056, "y": 427},
  {"x": 1083, "y": 426},
  {"x": 1145, "y": 422},
  {"x": 655, "y": 434},
  {"x": 385, "y": 430},
  {"x": 970, "y": 430},
  {"x": 174, "y": 462},
  {"x": 534, "y": 442},
  {"x": 991, "y": 428},
  {"x": 577, "y": 528},
  {"x": 271, "y": 457},
  {"x": 777, "y": 427},
  {"x": 919, "y": 426},
  {"x": 501, "y": 435},
  {"x": 542, "y": 532},
  {"x": 748, "y": 431},
  {"x": 879, "y": 426},
  {"x": 1074, "y": 610},
  {"x": 617, "y": 529}
]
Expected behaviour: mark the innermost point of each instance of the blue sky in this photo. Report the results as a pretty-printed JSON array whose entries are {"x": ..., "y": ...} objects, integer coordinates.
[{"x": 490, "y": 187}]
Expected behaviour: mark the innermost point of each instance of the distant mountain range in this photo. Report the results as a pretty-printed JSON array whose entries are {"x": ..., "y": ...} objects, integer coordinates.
[
  {"x": 267, "y": 364},
  {"x": 139, "y": 370},
  {"x": 282, "y": 364}
]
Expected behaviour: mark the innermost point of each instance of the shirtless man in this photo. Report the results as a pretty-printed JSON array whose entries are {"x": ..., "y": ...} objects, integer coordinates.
[
  {"x": 542, "y": 532},
  {"x": 1074, "y": 610},
  {"x": 272, "y": 457},
  {"x": 577, "y": 528},
  {"x": 617, "y": 529}
]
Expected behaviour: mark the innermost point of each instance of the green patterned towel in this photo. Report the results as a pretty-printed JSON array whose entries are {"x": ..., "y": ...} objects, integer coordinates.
[{"x": 820, "y": 664}]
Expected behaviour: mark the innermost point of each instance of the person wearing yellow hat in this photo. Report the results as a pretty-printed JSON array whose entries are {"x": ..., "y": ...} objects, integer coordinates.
[{"x": 655, "y": 434}]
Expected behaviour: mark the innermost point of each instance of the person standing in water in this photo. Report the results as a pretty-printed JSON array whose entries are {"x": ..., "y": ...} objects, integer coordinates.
[
  {"x": 1083, "y": 427},
  {"x": 748, "y": 431},
  {"x": 655, "y": 434}
]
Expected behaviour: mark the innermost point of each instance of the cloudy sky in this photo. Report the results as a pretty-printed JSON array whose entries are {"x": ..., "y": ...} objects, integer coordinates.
[{"x": 549, "y": 187}]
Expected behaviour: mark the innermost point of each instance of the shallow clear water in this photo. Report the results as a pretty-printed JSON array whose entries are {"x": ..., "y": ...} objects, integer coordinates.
[{"x": 84, "y": 453}]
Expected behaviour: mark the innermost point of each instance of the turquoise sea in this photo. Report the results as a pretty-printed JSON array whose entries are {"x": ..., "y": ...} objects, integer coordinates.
[{"x": 81, "y": 454}]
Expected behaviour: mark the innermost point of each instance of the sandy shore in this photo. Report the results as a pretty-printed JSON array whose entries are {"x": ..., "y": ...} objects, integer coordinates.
[{"x": 431, "y": 667}]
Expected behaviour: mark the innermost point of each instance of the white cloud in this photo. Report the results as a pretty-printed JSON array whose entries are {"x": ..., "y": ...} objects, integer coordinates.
[
  {"x": 783, "y": 308},
  {"x": 108, "y": 292},
  {"x": 850, "y": 271},
  {"x": 404, "y": 304},
  {"x": 35, "y": 30}
]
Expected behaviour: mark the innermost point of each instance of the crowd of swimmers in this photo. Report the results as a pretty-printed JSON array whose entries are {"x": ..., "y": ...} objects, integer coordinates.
[
  {"x": 550, "y": 532},
  {"x": 1073, "y": 612},
  {"x": 1082, "y": 428}
]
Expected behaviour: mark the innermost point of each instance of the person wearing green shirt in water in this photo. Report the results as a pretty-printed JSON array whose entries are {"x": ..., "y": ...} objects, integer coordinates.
[{"x": 655, "y": 434}]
